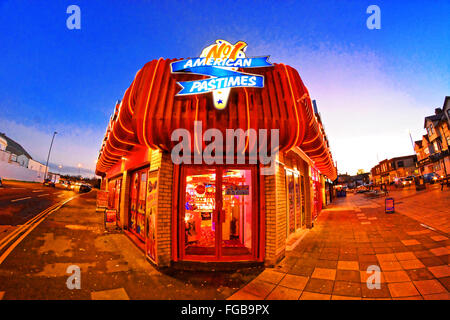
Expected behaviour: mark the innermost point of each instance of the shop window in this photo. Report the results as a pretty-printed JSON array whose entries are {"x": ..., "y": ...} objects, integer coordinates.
[
  {"x": 137, "y": 203},
  {"x": 291, "y": 202},
  {"x": 298, "y": 202},
  {"x": 200, "y": 205},
  {"x": 218, "y": 214},
  {"x": 302, "y": 178}
]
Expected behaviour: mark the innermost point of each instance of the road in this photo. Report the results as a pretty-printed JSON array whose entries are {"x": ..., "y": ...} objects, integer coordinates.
[{"x": 21, "y": 201}]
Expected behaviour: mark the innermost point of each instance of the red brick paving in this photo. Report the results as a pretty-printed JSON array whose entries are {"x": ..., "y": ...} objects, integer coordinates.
[{"x": 331, "y": 260}]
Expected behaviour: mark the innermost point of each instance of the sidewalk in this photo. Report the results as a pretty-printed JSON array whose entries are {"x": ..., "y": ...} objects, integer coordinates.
[
  {"x": 349, "y": 236},
  {"x": 111, "y": 266}
]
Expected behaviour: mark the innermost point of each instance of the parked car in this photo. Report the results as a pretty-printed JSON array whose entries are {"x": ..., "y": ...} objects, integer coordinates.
[
  {"x": 84, "y": 188},
  {"x": 404, "y": 181},
  {"x": 431, "y": 177},
  {"x": 49, "y": 183},
  {"x": 362, "y": 189}
]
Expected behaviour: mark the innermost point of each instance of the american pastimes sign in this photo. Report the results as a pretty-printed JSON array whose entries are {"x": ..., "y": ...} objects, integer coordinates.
[{"x": 221, "y": 62}]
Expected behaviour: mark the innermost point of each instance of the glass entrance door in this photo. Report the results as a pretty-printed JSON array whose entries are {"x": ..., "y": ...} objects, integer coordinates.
[
  {"x": 218, "y": 214},
  {"x": 237, "y": 213}
]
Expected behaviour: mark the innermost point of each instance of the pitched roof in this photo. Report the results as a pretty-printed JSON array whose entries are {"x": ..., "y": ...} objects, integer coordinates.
[
  {"x": 14, "y": 147},
  {"x": 434, "y": 118}
]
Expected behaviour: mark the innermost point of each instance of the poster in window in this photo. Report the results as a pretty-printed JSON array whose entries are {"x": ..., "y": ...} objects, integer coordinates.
[
  {"x": 291, "y": 199},
  {"x": 134, "y": 195},
  {"x": 140, "y": 218},
  {"x": 151, "y": 214},
  {"x": 298, "y": 200}
]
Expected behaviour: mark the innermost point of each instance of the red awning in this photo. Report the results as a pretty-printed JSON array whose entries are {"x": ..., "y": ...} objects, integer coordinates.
[{"x": 150, "y": 112}]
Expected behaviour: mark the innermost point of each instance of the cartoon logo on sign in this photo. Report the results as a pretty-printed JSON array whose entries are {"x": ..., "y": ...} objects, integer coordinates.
[{"x": 221, "y": 62}]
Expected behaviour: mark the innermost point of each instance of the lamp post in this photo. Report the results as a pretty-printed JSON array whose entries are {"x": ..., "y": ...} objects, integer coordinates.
[{"x": 48, "y": 156}]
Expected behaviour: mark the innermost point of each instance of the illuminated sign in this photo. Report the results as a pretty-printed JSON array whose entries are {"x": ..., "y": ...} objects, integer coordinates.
[{"x": 220, "y": 61}]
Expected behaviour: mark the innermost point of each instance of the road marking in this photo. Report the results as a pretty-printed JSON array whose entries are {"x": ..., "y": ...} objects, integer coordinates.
[
  {"x": 37, "y": 190},
  {"x": 28, "y": 227},
  {"x": 428, "y": 227},
  {"x": 23, "y": 226},
  {"x": 20, "y": 199},
  {"x": 42, "y": 195}
]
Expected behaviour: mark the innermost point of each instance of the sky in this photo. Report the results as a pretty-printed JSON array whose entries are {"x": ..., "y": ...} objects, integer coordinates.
[{"x": 372, "y": 87}]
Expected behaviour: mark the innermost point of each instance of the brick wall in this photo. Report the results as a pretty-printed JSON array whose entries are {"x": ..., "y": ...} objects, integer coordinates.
[
  {"x": 276, "y": 206},
  {"x": 164, "y": 219},
  {"x": 275, "y": 196}
]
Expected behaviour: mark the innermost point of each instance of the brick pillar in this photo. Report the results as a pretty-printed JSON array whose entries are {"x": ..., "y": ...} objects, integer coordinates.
[
  {"x": 276, "y": 206},
  {"x": 103, "y": 184},
  {"x": 164, "y": 219},
  {"x": 271, "y": 219},
  {"x": 124, "y": 199},
  {"x": 162, "y": 162},
  {"x": 106, "y": 180}
]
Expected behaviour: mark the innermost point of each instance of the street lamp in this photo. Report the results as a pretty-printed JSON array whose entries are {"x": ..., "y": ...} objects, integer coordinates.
[
  {"x": 79, "y": 169},
  {"x": 48, "y": 156}
]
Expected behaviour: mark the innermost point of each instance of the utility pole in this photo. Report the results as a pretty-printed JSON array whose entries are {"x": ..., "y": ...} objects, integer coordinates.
[
  {"x": 412, "y": 142},
  {"x": 48, "y": 156}
]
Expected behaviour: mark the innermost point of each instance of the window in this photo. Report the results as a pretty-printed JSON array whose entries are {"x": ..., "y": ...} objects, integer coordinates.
[
  {"x": 436, "y": 146},
  {"x": 431, "y": 128},
  {"x": 400, "y": 164}
]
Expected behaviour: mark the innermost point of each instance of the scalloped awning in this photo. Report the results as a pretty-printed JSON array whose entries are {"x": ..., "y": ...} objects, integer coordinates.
[{"x": 150, "y": 111}]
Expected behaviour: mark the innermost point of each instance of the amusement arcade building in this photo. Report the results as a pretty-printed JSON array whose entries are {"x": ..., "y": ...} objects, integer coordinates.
[{"x": 206, "y": 208}]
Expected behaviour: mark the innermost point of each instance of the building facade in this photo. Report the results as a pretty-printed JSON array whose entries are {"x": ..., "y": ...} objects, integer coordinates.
[
  {"x": 389, "y": 170},
  {"x": 37, "y": 167},
  {"x": 224, "y": 203},
  {"x": 13, "y": 152},
  {"x": 432, "y": 151}
]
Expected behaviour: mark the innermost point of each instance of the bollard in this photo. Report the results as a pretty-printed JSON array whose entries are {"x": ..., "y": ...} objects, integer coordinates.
[{"x": 389, "y": 206}]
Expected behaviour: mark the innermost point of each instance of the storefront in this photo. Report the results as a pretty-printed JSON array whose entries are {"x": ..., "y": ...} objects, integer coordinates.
[{"x": 209, "y": 174}]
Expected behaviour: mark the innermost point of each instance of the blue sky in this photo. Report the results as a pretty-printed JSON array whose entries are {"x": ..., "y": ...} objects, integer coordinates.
[{"x": 371, "y": 86}]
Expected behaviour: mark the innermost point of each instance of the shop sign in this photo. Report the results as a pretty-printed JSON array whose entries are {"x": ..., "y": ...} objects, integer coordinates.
[
  {"x": 151, "y": 214},
  {"x": 220, "y": 62},
  {"x": 102, "y": 199},
  {"x": 389, "y": 205},
  {"x": 110, "y": 219},
  {"x": 237, "y": 190}
]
